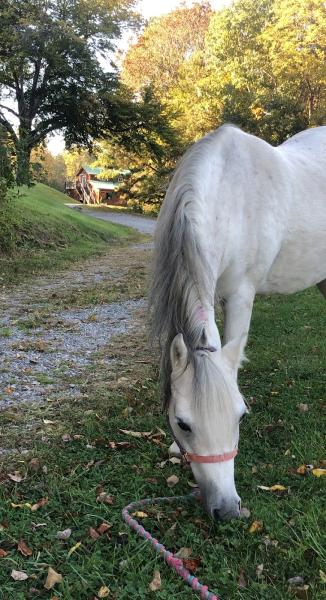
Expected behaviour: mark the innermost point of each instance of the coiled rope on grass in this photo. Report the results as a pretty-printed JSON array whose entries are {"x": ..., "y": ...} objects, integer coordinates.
[{"x": 173, "y": 561}]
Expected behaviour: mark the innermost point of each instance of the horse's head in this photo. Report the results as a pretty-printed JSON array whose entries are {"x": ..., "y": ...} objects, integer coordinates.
[{"x": 205, "y": 410}]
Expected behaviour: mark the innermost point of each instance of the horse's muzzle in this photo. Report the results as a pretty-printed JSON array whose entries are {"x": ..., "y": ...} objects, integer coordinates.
[{"x": 225, "y": 513}]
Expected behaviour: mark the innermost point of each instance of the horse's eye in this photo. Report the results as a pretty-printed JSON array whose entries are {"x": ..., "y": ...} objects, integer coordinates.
[{"x": 184, "y": 426}]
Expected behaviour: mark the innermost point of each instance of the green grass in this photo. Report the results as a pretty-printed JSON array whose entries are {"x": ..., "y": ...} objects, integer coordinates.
[
  {"x": 287, "y": 352},
  {"x": 47, "y": 235}
]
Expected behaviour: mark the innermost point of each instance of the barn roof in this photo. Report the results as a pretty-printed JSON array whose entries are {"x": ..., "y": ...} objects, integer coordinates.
[
  {"x": 103, "y": 185},
  {"x": 90, "y": 170}
]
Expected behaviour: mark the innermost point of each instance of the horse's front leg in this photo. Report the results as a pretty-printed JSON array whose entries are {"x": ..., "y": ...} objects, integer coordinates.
[{"x": 237, "y": 314}]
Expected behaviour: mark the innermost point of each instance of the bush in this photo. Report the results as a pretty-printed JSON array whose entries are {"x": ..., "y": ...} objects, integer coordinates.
[{"x": 8, "y": 218}]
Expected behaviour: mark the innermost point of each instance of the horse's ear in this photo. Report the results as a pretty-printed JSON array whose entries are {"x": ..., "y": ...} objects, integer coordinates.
[
  {"x": 233, "y": 352},
  {"x": 178, "y": 353}
]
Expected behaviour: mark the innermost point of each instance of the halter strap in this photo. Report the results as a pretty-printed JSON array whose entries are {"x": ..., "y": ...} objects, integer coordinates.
[
  {"x": 212, "y": 458},
  {"x": 201, "y": 458}
]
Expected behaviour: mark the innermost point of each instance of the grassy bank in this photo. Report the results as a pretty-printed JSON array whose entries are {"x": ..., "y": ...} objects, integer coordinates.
[
  {"x": 40, "y": 233},
  {"x": 72, "y": 458}
]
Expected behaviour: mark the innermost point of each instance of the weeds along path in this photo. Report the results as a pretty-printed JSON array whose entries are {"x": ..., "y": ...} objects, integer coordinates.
[{"x": 50, "y": 327}]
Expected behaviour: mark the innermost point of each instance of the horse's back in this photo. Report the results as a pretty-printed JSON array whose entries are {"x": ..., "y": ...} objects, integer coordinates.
[{"x": 301, "y": 260}]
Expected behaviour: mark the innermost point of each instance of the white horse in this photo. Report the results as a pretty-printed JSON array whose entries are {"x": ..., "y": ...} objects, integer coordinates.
[{"x": 240, "y": 217}]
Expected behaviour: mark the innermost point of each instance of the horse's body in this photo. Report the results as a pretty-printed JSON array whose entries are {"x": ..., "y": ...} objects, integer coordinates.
[{"x": 240, "y": 217}]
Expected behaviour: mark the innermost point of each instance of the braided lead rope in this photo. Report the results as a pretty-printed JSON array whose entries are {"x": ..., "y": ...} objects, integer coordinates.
[{"x": 173, "y": 561}]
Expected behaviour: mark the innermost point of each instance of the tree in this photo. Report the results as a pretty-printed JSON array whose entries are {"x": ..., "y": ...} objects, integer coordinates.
[
  {"x": 47, "y": 168},
  {"x": 75, "y": 158},
  {"x": 145, "y": 144},
  {"x": 165, "y": 44},
  {"x": 260, "y": 57},
  {"x": 167, "y": 57},
  {"x": 49, "y": 67},
  {"x": 6, "y": 172},
  {"x": 296, "y": 43}
]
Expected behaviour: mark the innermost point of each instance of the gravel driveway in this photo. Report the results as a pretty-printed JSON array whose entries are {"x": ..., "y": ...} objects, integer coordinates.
[
  {"x": 43, "y": 345},
  {"x": 142, "y": 224}
]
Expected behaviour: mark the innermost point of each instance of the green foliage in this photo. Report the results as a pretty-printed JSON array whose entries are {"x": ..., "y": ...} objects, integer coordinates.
[
  {"x": 49, "y": 64},
  {"x": 260, "y": 65},
  {"x": 48, "y": 169},
  {"x": 147, "y": 145}
]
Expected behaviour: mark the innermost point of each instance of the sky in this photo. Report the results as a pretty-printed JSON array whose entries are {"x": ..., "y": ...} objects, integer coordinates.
[{"x": 148, "y": 8}]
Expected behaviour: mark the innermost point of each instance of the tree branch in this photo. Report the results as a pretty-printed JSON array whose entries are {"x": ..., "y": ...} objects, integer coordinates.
[
  {"x": 13, "y": 112},
  {"x": 9, "y": 128}
]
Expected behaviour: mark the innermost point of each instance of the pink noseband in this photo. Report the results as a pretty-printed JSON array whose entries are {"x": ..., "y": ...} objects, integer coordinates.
[{"x": 213, "y": 458}]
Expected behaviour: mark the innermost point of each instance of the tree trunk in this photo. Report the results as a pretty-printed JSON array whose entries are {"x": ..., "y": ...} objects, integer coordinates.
[{"x": 23, "y": 164}]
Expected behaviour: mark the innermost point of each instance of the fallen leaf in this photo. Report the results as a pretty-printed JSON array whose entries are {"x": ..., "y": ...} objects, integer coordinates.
[
  {"x": 245, "y": 512},
  {"x": 119, "y": 445},
  {"x": 273, "y": 488},
  {"x": 3, "y": 553},
  {"x": 156, "y": 583},
  {"x": 39, "y": 504},
  {"x": 259, "y": 570},
  {"x": 302, "y": 470},
  {"x": 64, "y": 535},
  {"x": 319, "y": 472},
  {"x": 136, "y": 434},
  {"x": 295, "y": 581},
  {"x": 140, "y": 514},
  {"x": 105, "y": 498},
  {"x": 66, "y": 437},
  {"x": 52, "y": 579},
  {"x": 256, "y": 526},
  {"x": 103, "y": 528},
  {"x": 36, "y": 525},
  {"x": 73, "y": 549},
  {"x": 172, "y": 480},
  {"x": 268, "y": 542},
  {"x": 16, "y": 476},
  {"x": 174, "y": 460},
  {"x": 18, "y": 575},
  {"x": 192, "y": 484},
  {"x": 192, "y": 564},
  {"x": 21, "y": 505},
  {"x": 93, "y": 533},
  {"x": 322, "y": 576},
  {"x": 183, "y": 553},
  {"x": 48, "y": 422},
  {"x": 242, "y": 580},
  {"x": 103, "y": 592},
  {"x": 278, "y": 488},
  {"x": 303, "y": 408},
  {"x": 23, "y": 548}
]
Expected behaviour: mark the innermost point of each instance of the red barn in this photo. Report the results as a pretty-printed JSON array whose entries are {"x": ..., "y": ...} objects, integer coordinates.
[{"x": 89, "y": 188}]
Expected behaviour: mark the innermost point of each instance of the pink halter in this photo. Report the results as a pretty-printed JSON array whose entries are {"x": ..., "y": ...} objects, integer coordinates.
[
  {"x": 212, "y": 458},
  {"x": 201, "y": 458}
]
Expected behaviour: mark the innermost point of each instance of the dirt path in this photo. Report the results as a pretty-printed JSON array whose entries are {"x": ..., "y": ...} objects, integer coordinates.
[
  {"x": 142, "y": 224},
  {"x": 52, "y": 327}
]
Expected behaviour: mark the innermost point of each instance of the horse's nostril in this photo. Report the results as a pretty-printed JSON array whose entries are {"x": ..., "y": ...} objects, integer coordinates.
[{"x": 216, "y": 515}]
